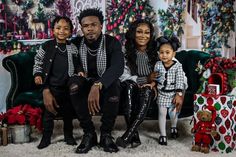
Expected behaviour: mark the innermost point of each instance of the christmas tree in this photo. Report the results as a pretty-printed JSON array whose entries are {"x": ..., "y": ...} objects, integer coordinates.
[
  {"x": 218, "y": 20},
  {"x": 40, "y": 14},
  {"x": 171, "y": 20},
  {"x": 120, "y": 13},
  {"x": 64, "y": 8}
]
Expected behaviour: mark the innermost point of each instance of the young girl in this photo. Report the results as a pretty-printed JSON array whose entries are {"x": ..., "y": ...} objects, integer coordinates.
[
  {"x": 170, "y": 84},
  {"x": 56, "y": 61}
]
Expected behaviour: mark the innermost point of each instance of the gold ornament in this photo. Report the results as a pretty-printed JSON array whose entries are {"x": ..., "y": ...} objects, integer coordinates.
[
  {"x": 121, "y": 29},
  {"x": 131, "y": 19},
  {"x": 111, "y": 34},
  {"x": 143, "y": 14},
  {"x": 151, "y": 13}
]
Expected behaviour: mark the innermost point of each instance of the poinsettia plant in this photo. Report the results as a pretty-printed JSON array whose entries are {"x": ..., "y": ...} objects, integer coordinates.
[{"x": 23, "y": 114}]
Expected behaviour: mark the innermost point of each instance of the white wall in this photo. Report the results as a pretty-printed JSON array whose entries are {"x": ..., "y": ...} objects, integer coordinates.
[
  {"x": 5, "y": 82},
  {"x": 159, "y": 4}
]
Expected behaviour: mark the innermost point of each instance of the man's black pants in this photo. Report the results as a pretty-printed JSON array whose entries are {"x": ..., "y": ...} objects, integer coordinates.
[{"x": 109, "y": 103}]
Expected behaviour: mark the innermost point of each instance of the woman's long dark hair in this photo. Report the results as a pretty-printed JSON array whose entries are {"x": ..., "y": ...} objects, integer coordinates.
[{"x": 131, "y": 48}]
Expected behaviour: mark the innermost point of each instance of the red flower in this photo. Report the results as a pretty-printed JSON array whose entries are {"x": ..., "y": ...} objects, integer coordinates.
[
  {"x": 23, "y": 114},
  {"x": 11, "y": 119}
]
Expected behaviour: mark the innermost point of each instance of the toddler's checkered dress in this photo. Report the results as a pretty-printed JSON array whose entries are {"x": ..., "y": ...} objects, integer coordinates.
[{"x": 169, "y": 80}]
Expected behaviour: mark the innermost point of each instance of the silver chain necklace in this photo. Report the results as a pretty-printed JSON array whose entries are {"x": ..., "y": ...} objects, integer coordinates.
[
  {"x": 90, "y": 53},
  {"x": 57, "y": 47},
  {"x": 92, "y": 50}
]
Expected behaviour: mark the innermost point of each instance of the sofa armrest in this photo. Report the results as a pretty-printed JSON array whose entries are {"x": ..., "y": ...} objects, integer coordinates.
[
  {"x": 189, "y": 60},
  {"x": 20, "y": 67}
]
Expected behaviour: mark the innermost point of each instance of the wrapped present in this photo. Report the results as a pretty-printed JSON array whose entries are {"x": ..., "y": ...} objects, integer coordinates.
[
  {"x": 4, "y": 136},
  {"x": 225, "y": 120}
]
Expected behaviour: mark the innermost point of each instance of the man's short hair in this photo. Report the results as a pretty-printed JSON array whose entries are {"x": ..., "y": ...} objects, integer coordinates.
[{"x": 91, "y": 12}]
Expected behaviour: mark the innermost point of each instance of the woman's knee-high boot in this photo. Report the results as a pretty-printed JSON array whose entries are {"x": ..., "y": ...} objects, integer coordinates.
[
  {"x": 131, "y": 111},
  {"x": 129, "y": 91},
  {"x": 145, "y": 100}
]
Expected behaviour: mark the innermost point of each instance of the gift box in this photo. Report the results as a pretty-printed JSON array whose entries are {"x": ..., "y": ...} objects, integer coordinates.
[
  {"x": 4, "y": 136},
  {"x": 225, "y": 120}
]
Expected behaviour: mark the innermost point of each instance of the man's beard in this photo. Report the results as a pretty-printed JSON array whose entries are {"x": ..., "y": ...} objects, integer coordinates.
[{"x": 91, "y": 40}]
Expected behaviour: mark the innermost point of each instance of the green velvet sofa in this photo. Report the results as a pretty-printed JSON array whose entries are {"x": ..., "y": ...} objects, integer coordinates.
[{"x": 24, "y": 91}]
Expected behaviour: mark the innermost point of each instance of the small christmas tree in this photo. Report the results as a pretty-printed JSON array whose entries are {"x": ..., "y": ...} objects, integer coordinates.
[
  {"x": 64, "y": 8},
  {"x": 120, "y": 13},
  {"x": 171, "y": 20},
  {"x": 218, "y": 21},
  {"x": 40, "y": 14}
]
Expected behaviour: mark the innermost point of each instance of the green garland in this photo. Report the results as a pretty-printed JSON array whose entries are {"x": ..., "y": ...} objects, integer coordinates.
[
  {"x": 172, "y": 20},
  {"x": 218, "y": 20}
]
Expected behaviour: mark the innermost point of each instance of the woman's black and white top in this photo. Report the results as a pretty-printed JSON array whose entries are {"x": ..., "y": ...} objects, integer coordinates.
[{"x": 143, "y": 69}]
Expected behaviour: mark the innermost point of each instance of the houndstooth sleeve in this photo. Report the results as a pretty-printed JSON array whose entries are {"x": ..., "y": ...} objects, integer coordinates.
[
  {"x": 38, "y": 61},
  {"x": 180, "y": 77}
]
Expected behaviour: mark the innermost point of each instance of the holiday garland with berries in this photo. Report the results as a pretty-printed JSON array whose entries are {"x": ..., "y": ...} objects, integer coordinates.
[
  {"x": 120, "y": 13},
  {"x": 171, "y": 20},
  {"x": 218, "y": 20},
  {"x": 219, "y": 66}
]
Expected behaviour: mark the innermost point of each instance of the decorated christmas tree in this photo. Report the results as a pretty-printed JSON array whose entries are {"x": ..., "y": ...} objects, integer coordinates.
[
  {"x": 171, "y": 20},
  {"x": 64, "y": 8},
  {"x": 120, "y": 13},
  {"x": 218, "y": 20}
]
